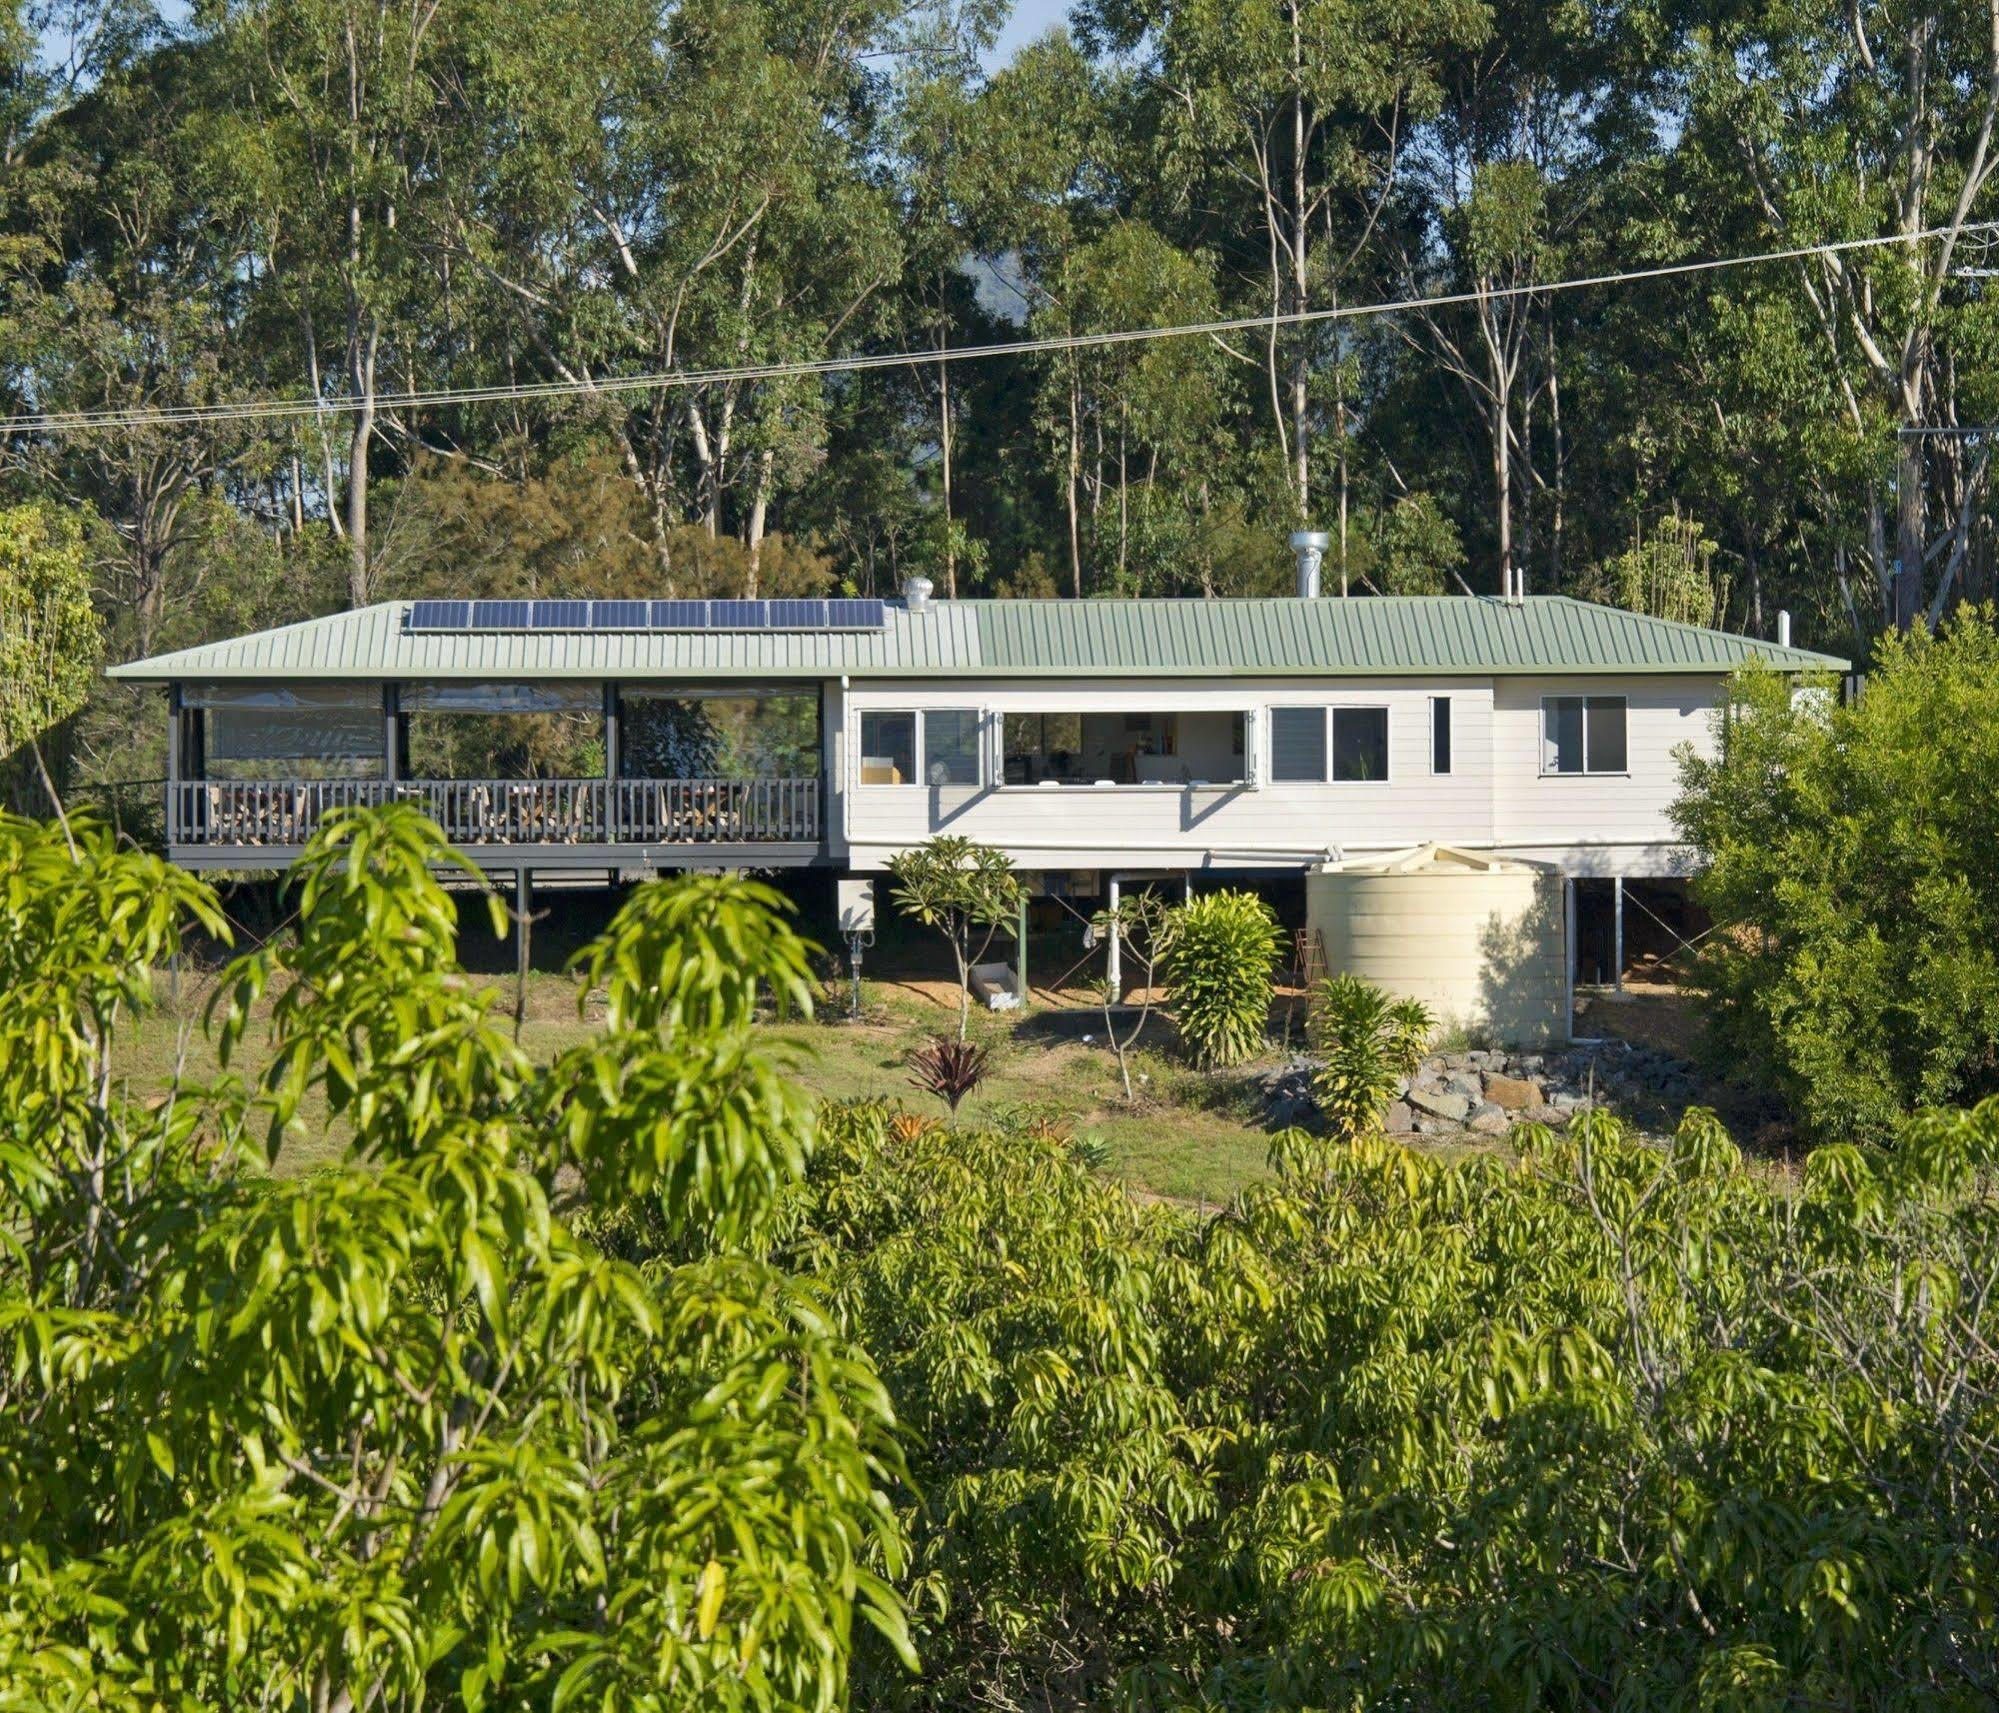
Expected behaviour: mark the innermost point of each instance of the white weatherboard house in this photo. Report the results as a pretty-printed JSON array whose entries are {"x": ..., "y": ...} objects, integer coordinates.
[{"x": 1084, "y": 738}]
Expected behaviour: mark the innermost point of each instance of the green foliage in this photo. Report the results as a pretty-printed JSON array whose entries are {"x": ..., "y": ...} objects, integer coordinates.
[
  {"x": 968, "y": 892},
  {"x": 1849, "y": 862},
  {"x": 1670, "y": 574},
  {"x": 1219, "y": 958},
  {"x": 1415, "y": 548},
  {"x": 1366, "y": 1043},
  {"x": 402, "y": 1432},
  {"x": 50, "y": 636},
  {"x": 1595, "y": 1421}
]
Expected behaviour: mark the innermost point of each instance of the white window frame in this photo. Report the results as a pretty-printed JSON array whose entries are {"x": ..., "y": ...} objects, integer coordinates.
[
  {"x": 918, "y": 735},
  {"x": 1328, "y": 711},
  {"x": 1251, "y": 757},
  {"x": 1585, "y": 771}
]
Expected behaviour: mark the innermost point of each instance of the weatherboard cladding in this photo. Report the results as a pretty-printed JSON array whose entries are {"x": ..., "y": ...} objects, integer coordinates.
[{"x": 1444, "y": 635}]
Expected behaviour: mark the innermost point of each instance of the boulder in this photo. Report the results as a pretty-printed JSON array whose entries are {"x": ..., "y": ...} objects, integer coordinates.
[
  {"x": 1441, "y": 1103},
  {"x": 1399, "y": 1119},
  {"x": 1512, "y": 1093},
  {"x": 1552, "y": 1116},
  {"x": 1563, "y": 1101},
  {"x": 1467, "y": 1083},
  {"x": 1491, "y": 1120}
]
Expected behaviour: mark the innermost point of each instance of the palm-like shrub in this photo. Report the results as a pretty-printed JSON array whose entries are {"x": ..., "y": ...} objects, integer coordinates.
[
  {"x": 948, "y": 1069},
  {"x": 1367, "y": 1042},
  {"x": 1219, "y": 955}
]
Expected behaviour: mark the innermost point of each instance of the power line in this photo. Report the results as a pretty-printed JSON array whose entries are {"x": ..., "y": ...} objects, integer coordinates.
[{"x": 283, "y": 409}]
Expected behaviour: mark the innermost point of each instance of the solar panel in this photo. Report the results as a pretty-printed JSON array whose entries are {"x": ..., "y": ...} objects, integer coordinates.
[
  {"x": 499, "y": 615},
  {"x": 618, "y": 615},
  {"x": 793, "y": 613},
  {"x": 679, "y": 615},
  {"x": 438, "y": 615},
  {"x": 798, "y": 615},
  {"x": 856, "y": 615}
]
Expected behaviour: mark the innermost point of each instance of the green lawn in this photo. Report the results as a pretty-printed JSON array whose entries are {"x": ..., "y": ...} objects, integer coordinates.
[{"x": 1186, "y": 1135}]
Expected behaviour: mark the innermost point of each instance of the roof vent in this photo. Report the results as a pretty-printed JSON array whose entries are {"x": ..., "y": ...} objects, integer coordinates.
[
  {"x": 1783, "y": 627},
  {"x": 1310, "y": 546},
  {"x": 916, "y": 593}
]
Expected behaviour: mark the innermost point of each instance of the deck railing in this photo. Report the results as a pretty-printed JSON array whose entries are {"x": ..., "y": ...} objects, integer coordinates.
[{"x": 507, "y": 811}]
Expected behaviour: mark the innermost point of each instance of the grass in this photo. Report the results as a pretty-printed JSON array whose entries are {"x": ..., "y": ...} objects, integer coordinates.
[{"x": 1186, "y": 1135}]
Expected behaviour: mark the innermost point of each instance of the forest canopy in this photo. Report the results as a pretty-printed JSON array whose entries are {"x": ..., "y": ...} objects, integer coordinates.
[{"x": 340, "y": 202}]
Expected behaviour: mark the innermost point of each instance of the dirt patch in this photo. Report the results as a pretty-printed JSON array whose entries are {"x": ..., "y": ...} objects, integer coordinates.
[{"x": 1654, "y": 1014}]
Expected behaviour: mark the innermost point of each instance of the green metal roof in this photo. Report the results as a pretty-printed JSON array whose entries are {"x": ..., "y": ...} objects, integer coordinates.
[{"x": 1372, "y": 636}]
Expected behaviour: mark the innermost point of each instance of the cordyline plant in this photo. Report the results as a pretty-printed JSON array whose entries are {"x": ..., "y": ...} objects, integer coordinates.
[
  {"x": 1220, "y": 954},
  {"x": 948, "y": 1069},
  {"x": 398, "y": 1432}
]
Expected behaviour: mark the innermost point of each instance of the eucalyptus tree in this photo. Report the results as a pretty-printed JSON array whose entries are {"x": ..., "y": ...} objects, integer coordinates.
[
  {"x": 145, "y": 309},
  {"x": 1878, "y": 119},
  {"x": 1285, "y": 123},
  {"x": 328, "y": 143},
  {"x": 691, "y": 187}
]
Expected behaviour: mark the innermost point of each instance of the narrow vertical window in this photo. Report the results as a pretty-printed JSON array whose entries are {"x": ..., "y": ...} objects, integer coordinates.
[{"x": 1440, "y": 734}]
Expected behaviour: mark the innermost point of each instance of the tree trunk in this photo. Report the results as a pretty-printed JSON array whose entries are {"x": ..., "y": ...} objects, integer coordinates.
[
  {"x": 944, "y": 441},
  {"x": 361, "y": 376},
  {"x": 759, "y": 514},
  {"x": 1075, "y": 469}
]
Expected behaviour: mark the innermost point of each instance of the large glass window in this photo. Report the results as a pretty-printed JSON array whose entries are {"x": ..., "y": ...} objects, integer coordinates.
[
  {"x": 951, "y": 746},
  {"x": 1360, "y": 744},
  {"x": 306, "y": 731},
  {"x": 1583, "y": 734},
  {"x": 505, "y": 731},
  {"x": 888, "y": 749},
  {"x": 1298, "y": 745},
  {"x": 1203, "y": 747},
  {"x": 719, "y": 734}
]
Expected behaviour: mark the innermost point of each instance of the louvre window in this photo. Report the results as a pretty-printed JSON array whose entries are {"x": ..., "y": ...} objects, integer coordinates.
[{"x": 1298, "y": 744}]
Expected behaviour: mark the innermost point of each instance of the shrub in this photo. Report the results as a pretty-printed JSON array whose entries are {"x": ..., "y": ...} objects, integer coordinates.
[
  {"x": 413, "y": 1430},
  {"x": 1848, "y": 857},
  {"x": 1366, "y": 1043},
  {"x": 1596, "y": 1421},
  {"x": 948, "y": 1069},
  {"x": 1219, "y": 957}
]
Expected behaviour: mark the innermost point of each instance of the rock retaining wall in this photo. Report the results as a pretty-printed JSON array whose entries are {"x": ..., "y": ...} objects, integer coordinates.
[{"x": 1487, "y": 1092}]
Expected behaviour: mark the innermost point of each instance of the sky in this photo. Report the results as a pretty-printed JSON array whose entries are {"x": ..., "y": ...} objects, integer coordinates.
[{"x": 1031, "y": 18}]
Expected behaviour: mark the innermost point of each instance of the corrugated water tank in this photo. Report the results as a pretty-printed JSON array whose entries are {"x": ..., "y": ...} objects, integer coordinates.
[{"x": 1478, "y": 939}]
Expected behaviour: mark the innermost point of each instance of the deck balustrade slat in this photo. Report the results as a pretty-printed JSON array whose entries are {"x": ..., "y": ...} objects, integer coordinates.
[{"x": 508, "y": 811}]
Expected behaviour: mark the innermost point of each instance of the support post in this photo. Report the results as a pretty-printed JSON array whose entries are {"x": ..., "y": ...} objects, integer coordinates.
[
  {"x": 1020, "y": 953},
  {"x": 1617, "y": 935},
  {"x": 1569, "y": 951},
  {"x": 391, "y": 733},
  {"x": 1114, "y": 956},
  {"x": 611, "y": 833},
  {"x": 174, "y": 722},
  {"x": 523, "y": 919}
]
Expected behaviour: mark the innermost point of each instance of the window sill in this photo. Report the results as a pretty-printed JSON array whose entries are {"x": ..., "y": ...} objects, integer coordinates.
[
  {"x": 1624, "y": 773},
  {"x": 1063, "y": 787}
]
